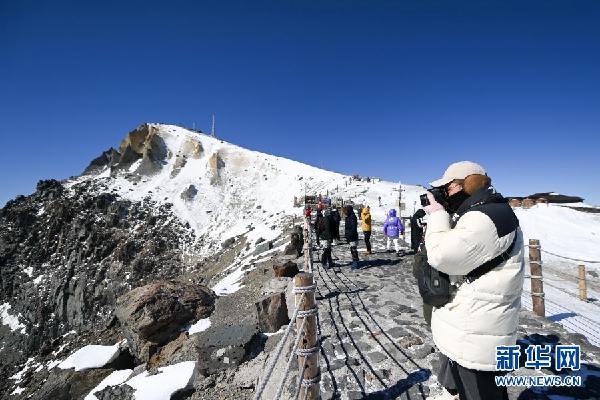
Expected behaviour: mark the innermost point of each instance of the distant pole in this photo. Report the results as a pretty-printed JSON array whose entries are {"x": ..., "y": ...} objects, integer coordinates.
[
  {"x": 582, "y": 284},
  {"x": 537, "y": 286},
  {"x": 212, "y": 127}
]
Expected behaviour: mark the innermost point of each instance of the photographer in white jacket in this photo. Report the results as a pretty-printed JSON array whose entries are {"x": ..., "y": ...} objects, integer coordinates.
[{"x": 475, "y": 226}]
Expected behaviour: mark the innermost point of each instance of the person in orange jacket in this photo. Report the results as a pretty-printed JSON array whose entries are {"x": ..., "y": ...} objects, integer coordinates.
[{"x": 366, "y": 227}]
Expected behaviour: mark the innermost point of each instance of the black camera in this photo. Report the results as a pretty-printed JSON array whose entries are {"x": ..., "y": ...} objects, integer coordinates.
[{"x": 439, "y": 194}]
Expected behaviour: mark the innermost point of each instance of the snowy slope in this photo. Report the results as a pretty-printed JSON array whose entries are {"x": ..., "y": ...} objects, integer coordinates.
[
  {"x": 563, "y": 231},
  {"x": 252, "y": 189}
]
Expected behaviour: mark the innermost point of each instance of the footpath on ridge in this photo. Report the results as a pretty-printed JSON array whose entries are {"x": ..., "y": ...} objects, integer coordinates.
[{"x": 375, "y": 344}]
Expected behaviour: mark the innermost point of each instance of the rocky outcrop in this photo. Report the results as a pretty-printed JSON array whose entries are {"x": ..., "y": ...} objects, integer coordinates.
[
  {"x": 189, "y": 149},
  {"x": 67, "y": 255},
  {"x": 215, "y": 164},
  {"x": 288, "y": 269},
  {"x": 155, "y": 314},
  {"x": 143, "y": 143},
  {"x": 272, "y": 312},
  {"x": 189, "y": 193},
  {"x": 108, "y": 158},
  {"x": 224, "y": 347},
  {"x": 296, "y": 242},
  {"x": 69, "y": 384}
]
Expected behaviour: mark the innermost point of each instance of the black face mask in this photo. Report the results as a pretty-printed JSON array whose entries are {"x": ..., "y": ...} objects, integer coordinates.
[{"x": 454, "y": 201}]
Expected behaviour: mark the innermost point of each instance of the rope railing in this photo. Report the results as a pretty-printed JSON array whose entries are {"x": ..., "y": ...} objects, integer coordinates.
[
  {"x": 565, "y": 257},
  {"x": 273, "y": 361},
  {"x": 305, "y": 310}
]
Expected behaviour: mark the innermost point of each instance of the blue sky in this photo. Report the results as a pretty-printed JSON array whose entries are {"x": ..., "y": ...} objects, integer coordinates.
[{"x": 396, "y": 89}]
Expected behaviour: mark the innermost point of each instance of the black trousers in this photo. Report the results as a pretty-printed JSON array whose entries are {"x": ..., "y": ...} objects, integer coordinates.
[
  {"x": 477, "y": 385},
  {"x": 368, "y": 240}
]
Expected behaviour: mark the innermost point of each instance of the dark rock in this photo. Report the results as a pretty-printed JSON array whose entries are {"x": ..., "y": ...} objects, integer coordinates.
[
  {"x": 189, "y": 193},
  {"x": 223, "y": 347},
  {"x": 272, "y": 313},
  {"x": 288, "y": 269},
  {"x": 275, "y": 285},
  {"x": 155, "y": 314},
  {"x": 263, "y": 246},
  {"x": 227, "y": 243},
  {"x": 107, "y": 159},
  {"x": 121, "y": 392},
  {"x": 184, "y": 348},
  {"x": 69, "y": 384}
]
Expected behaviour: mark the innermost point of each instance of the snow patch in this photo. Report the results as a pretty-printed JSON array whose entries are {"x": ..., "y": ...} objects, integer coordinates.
[
  {"x": 91, "y": 356},
  {"x": 200, "y": 326},
  {"x": 114, "y": 379},
  {"x": 162, "y": 385},
  {"x": 11, "y": 321}
]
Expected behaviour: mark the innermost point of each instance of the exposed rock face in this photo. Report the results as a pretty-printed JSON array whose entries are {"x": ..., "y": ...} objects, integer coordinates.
[
  {"x": 142, "y": 143},
  {"x": 189, "y": 149},
  {"x": 225, "y": 347},
  {"x": 109, "y": 157},
  {"x": 121, "y": 392},
  {"x": 65, "y": 256},
  {"x": 272, "y": 312},
  {"x": 215, "y": 163},
  {"x": 192, "y": 149},
  {"x": 189, "y": 193},
  {"x": 288, "y": 269},
  {"x": 296, "y": 242},
  {"x": 70, "y": 385},
  {"x": 155, "y": 314}
]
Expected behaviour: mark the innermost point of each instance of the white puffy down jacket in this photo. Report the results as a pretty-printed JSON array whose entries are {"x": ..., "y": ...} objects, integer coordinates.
[{"x": 484, "y": 313}]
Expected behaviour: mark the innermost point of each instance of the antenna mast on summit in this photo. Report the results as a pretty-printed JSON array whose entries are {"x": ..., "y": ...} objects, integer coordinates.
[{"x": 212, "y": 127}]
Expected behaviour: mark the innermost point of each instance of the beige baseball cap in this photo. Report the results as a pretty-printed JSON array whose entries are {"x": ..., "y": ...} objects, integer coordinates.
[{"x": 459, "y": 170}]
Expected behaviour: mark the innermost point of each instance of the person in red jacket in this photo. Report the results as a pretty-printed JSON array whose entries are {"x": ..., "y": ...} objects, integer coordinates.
[{"x": 308, "y": 212}]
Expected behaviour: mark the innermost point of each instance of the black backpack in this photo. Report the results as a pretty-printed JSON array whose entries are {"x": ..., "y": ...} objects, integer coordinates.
[{"x": 434, "y": 286}]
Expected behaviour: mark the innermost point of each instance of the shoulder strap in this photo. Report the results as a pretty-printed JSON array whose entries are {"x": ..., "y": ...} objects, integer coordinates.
[{"x": 493, "y": 263}]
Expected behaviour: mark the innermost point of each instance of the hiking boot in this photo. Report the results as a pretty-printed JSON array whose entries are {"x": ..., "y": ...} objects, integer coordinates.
[{"x": 354, "y": 265}]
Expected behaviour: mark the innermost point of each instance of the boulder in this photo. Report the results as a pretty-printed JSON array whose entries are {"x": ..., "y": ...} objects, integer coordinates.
[
  {"x": 226, "y": 346},
  {"x": 296, "y": 245},
  {"x": 189, "y": 193},
  {"x": 155, "y": 314},
  {"x": 272, "y": 312},
  {"x": 69, "y": 384},
  {"x": 120, "y": 392},
  {"x": 275, "y": 285},
  {"x": 262, "y": 246},
  {"x": 288, "y": 269}
]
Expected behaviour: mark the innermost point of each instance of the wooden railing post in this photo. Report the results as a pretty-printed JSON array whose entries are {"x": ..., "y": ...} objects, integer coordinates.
[
  {"x": 582, "y": 284},
  {"x": 308, "y": 348},
  {"x": 307, "y": 245},
  {"x": 537, "y": 285}
]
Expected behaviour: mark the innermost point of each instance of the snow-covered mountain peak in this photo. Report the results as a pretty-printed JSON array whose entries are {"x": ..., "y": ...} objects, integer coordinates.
[{"x": 223, "y": 190}]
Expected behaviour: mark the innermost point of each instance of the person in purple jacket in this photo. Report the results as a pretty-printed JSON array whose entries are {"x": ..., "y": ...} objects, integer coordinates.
[{"x": 393, "y": 228}]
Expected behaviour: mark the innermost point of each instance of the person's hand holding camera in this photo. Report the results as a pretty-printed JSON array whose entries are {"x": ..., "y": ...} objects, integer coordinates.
[{"x": 433, "y": 205}]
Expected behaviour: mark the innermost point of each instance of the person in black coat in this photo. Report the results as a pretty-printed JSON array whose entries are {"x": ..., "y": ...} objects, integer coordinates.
[
  {"x": 351, "y": 233},
  {"x": 335, "y": 216},
  {"x": 416, "y": 229},
  {"x": 318, "y": 218},
  {"x": 325, "y": 230}
]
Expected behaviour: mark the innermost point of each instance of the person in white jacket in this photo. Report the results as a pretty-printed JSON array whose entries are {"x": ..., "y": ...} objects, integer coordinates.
[{"x": 475, "y": 226}]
